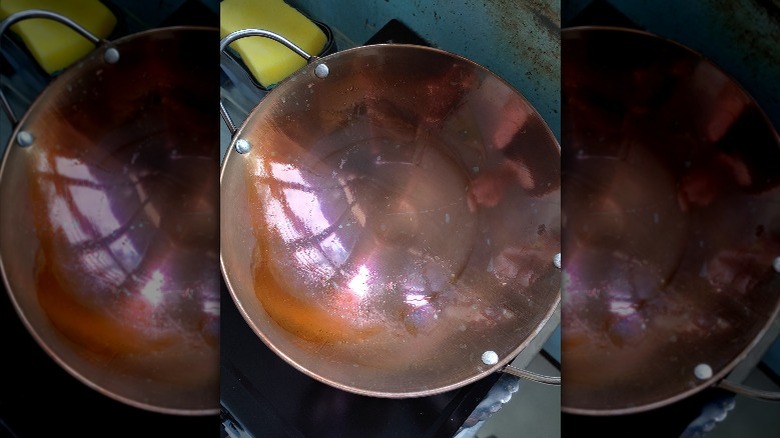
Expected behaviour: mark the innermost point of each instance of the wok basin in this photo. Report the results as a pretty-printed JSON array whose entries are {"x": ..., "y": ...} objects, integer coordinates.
[
  {"x": 387, "y": 223},
  {"x": 109, "y": 222},
  {"x": 671, "y": 222}
]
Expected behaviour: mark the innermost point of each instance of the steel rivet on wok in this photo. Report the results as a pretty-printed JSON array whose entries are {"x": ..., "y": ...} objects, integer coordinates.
[
  {"x": 702, "y": 371},
  {"x": 242, "y": 146},
  {"x": 111, "y": 55},
  {"x": 24, "y": 139},
  {"x": 776, "y": 264},
  {"x": 489, "y": 357},
  {"x": 321, "y": 71},
  {"x": 557, "y": 260}
]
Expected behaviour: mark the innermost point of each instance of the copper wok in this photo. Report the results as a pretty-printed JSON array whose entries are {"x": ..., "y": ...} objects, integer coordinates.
[
  {"x": 671, "y": 222},
  {"x": 390, "y": 217},
  {"x": 108, "y": 238}
]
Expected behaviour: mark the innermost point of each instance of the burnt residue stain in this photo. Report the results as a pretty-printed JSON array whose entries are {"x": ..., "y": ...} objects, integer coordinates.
[
  {"x": 772, "y": 7},
  {"x": 512, "y": 23},
  {"x": 549, "y": 22},
  {"x": 541, "y": 10},
  {"x": 757, "y": 44}
]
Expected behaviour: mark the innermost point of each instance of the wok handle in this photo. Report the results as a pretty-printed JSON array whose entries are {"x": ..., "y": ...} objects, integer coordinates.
[
  {"x": 237, "y": 35},
  {"x": 528, "y": 375},
  {"x": 748, "y": 391},
  {"x": 39, "y": 13}
]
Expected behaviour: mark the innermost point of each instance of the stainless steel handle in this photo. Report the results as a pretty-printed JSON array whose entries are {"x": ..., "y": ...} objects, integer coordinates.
[
  {"x": 528, "y": 375},
  {"x": 237, "y": 35},
  {"x": 40, "y": 13},
  {"x": 748, "y": 391}
]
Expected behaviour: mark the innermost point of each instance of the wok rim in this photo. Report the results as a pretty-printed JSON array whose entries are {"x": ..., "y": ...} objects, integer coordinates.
[{"x": 231, "y": 153}]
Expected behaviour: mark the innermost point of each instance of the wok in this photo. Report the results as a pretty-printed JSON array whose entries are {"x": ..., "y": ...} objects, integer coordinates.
[
  {"x": 390, "y": 219},
  {"x": 108, "y": 223},
  {"x": 671, "y": 222}
]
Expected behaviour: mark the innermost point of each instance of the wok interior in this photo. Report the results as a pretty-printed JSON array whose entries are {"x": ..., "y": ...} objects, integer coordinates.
[
  {"x": 109, "y": 220},
  {"x": 671, "y": 221},
  {"x": 393, "y": 221}
]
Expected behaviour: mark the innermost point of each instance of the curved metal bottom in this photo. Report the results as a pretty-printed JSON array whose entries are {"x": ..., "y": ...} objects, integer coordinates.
[
  {"x": 403, "y": 218},
  {"x": 109, "y": 222},
  {"x": 672, "y": 225}
]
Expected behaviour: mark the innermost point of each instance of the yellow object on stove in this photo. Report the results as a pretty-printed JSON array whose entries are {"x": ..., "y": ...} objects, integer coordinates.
[
  {"x": 54, "y": 45},
  {"x": 267, "y": 60}
]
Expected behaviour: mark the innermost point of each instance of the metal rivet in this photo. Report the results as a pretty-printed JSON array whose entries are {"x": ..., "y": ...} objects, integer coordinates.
[
  {"x": 24, "y": 139},
  {"x": 111, "y": 55},
  {"x": 702, "y": 371},
  {"x": 321, "y": 71},
  {"x": 776, "y": 264},
  {"x": 557, "y": 260},
  {"x": 489, "y": 357},
  {"x": 242, "y": 146}
]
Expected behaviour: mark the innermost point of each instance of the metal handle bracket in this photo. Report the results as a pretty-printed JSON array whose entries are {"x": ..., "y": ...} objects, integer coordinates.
[
  {"x": 237, "y": 35},
  {"x": 748, "y": 391},
  {"x": 528, "y": 375},
  {"x": 40, "y": 13}
]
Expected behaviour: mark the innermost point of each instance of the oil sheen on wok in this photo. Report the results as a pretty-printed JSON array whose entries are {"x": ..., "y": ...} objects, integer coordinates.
[
  {"x": 398, "y": 230},
  {"x": 124, "y": 206}
]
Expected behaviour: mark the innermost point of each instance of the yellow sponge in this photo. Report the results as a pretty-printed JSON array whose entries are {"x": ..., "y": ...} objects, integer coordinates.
[
  {"x": 269, "y": 61},
  {"x": 54, "y": 45}
]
